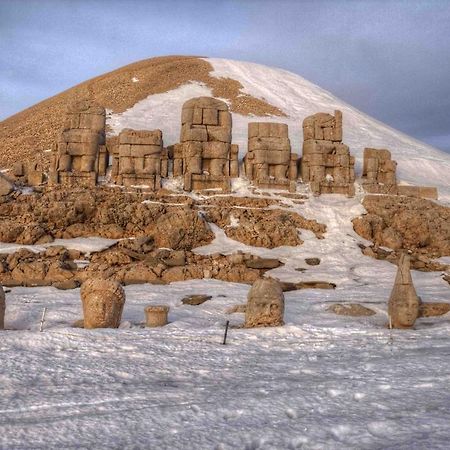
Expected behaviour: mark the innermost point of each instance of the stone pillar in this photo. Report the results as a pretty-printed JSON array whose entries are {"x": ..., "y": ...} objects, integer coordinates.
[{"x": 156, "y": 315}]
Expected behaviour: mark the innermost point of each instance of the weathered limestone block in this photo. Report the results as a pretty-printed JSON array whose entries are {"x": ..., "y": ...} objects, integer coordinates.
[
  {"x": 2, "y": 308},
  {"x": 326, "y": 162},
  {"x": 205, "y": 157},
  {"x": 403, "y": 306},
  {"x": 418, "y": 191},
  {"x": 269, "y": 162},
  {"x": 156, "y": 315},
  {"x": 103, "y": 302},
  {"x": 265, "y": 304}
]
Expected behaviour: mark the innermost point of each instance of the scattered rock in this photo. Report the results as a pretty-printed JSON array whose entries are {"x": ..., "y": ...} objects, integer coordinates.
[
  {"x": 263, "y": 263},
  {"x": 431, "y": 309},
  {"x": 66, "y": 285},
  {"x": 195, "y": 300},
  {"x": 351, "y": 309},
  {"x": 312, "y": 261}
]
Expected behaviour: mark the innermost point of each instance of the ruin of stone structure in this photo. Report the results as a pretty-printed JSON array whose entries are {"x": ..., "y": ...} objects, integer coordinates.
[
  {"x": 326, "y": 162},
  {"x": 139, "y": 159},
  {"x": 269, "y": 162},
  {"x": 403, "y": 306},
  {"x": 156, "y": 315},
  {"x": 2, "y": 308},
  {"x": 379, "y": 169},
  {"x": 78, "y": 153},
  {"x": 205, "y": 156},
  {"x": 103, "y": 302},
  {"x": 265, "y": 304}
]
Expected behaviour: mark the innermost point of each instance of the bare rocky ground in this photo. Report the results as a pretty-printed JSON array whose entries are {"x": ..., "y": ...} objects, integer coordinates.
[
  {"x": 156, "y": 233},
  {"x": 396, "y": 223}
]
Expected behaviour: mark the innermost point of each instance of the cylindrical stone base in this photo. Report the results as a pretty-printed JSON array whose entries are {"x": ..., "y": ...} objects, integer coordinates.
[{"x": 156, "y": 315}]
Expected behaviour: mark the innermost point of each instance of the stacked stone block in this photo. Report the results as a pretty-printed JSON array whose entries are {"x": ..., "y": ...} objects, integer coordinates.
[
  {"x": 75, "y": 157},
  {"x": 379, "y": 172},
  {"x": 140, "y": 159},
  {"x": 326, "y": 162},
  {"x": 205, "y": 156},
  {"x": 269, "y": 162}
]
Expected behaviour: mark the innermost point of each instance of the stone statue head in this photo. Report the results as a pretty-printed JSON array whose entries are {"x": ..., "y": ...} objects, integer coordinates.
[
  {"x": 103, "y": 302},
  {"x": 265, "y": 304},
  {"x": 404, "y": 309}
]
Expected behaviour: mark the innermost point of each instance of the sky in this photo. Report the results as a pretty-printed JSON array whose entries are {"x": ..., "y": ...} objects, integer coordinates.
[{"x": 390, "y": 59}]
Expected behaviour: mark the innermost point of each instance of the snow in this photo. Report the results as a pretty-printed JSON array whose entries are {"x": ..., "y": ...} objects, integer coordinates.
[
  {"x": 322, "y": 381},
  {"x": 83, "y": 244},
  {"x": 297, "y": 98}
]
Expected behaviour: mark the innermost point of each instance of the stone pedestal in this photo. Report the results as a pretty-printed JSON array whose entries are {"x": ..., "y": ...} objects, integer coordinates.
[{"x": 156, "y": 315}]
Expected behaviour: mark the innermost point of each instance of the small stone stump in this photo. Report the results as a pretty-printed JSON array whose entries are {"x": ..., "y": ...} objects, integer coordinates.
[
  {"x": 156, "y": 315},
  {"x": 2, "y": 308},
  {"x": 103, "y": 302},
  {"x": 265, "y": 304}
]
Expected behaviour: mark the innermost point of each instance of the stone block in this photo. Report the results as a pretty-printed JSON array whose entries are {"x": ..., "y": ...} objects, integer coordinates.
[
  {"x": 187, "y": 115},
  {"x": 225, "y": 119},
  {"x": 210, "y": 116},
  {"x": 35, "y": 177},
  {"x": 193, "y": 134},
  {"x": 271, "y": 157},
  {"x": 216, "y": 150},
  {"x": 140, "y": 137},
  {"x": 218, "y": 133},
  {"x": 139, "y": 151},
  {"x": 80, "y": 136},
  {"x": 197, "y": 116},
  {"x": 95, "y": 122}
]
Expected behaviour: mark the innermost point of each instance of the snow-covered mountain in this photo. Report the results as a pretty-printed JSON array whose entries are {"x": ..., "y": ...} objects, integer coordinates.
[{"x": 418, "y": 163}]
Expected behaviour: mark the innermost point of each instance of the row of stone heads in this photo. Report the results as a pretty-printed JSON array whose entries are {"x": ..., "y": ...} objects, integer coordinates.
[{"x": 103, "y": 302}]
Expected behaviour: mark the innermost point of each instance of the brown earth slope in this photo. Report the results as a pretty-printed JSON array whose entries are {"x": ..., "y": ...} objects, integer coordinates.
[{"x": 26, "y": 135}]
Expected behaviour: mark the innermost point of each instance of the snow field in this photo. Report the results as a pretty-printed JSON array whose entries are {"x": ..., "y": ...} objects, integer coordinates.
[{"x": 320, "y": 382}]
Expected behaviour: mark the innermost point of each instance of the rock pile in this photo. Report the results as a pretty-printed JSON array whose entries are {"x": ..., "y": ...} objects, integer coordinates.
[
  {"x": 326, "y": 162},
  {"x": 269, "y": 162}
]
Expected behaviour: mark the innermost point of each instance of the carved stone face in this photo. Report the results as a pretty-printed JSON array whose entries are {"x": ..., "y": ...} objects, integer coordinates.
[
  {"x": 102, "y": 303},
  {"x": 265, "y": 304},
  {"x": 404, "y": 312}
]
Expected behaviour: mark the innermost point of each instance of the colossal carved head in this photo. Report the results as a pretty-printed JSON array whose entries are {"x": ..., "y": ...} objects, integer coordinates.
[
  {"x": 103, "y": 302},
  {"x": 404, "y": 309},
  {"x": 265, "y": 304}
]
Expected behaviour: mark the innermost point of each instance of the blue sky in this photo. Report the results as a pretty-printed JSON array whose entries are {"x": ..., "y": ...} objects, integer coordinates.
[{"x": 390, "y": 59}]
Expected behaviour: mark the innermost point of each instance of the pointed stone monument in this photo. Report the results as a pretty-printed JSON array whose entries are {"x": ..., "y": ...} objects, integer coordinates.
[{"x": 403, "y": 306}]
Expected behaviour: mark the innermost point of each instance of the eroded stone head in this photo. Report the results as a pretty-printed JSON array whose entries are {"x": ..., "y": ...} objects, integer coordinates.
[
  {"x": 103, "y": 302},
  {"x": 403, "y": 303},
  {"x": 265, "y": 304}
]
